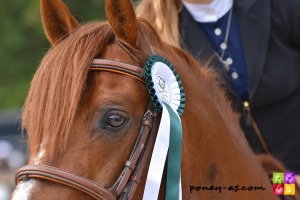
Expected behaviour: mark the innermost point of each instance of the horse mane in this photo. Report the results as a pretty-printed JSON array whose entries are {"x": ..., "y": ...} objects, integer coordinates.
[
  {"x": 59, "y": 83},
  {"x": 217, "y": 90}
]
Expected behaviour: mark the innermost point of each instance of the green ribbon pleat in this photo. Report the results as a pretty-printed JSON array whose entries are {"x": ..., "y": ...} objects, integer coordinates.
[{"x": 174, "y": 156}]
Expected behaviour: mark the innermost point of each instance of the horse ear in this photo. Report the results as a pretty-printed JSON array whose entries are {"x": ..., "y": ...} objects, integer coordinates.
[
  {"x": 57, "y": 20},
  {"x": 121, "y": 16}
]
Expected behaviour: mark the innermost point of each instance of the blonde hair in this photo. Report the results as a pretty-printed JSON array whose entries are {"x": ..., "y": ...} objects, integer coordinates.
[{"x": 163, "y": 15}]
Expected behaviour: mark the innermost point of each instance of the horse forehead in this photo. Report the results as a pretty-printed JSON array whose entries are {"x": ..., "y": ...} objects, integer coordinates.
[{"x": 118, "y": 88}]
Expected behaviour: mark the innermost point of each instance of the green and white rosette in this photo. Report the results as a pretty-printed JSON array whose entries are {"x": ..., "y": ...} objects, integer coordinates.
[{"x": 167, "y": 94}]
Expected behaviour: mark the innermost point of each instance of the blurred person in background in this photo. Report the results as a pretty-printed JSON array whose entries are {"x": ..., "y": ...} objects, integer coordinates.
[{"x": 255, "y": 45}]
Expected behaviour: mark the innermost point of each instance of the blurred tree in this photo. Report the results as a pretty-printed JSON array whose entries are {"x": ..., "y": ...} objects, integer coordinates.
[{"x": 23, "y": 44}]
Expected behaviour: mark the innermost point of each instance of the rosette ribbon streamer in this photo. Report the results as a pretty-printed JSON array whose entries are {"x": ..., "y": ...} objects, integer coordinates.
[{"x": 167, "y": 95}]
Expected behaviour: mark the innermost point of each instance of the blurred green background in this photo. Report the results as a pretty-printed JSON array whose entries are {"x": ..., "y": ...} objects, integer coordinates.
[{"x": 23, "y": 44}]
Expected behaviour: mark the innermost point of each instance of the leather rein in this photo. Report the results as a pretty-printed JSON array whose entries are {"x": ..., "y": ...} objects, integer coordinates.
[{"x": 127, "y": 182}]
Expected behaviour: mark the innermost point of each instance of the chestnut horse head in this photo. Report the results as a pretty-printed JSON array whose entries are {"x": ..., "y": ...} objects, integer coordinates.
[{"x": 87, "y": 114}]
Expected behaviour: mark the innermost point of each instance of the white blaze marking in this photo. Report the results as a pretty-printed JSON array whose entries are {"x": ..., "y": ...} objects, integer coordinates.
[
  {"x": 38, "y": 158},
  {"x": 23, "y": 190}
]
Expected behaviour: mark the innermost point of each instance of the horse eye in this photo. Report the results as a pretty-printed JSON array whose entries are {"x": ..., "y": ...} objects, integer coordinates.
[{"x": 115, "y": 121}]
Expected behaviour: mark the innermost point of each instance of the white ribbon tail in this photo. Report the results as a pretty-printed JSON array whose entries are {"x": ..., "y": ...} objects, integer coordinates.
[{"x": 158, "y": 158}]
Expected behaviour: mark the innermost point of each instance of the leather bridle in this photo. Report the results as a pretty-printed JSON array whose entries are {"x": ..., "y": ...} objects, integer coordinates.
[{"x": 127, "y": 182}]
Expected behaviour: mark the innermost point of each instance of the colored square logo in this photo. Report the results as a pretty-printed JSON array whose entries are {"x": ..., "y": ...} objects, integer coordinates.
[
  {"x": 289, "y": 189},
  {"x": 278, "y": 189},
  {"x": 289, "y": 177},
  {"x": 278, "y": 178}
]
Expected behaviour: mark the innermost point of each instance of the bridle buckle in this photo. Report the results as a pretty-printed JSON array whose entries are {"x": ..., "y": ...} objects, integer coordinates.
[{"x": 148, "y": 114}]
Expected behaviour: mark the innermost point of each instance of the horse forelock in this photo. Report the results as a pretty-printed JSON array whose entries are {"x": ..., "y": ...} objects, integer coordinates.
[{"x": 58, "y": 86}]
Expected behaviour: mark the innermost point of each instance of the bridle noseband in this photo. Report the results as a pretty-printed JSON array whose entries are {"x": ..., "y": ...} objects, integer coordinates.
[{"x": 127, "y": 182}]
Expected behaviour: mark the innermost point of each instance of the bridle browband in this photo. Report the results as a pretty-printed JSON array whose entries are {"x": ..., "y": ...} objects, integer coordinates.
[
  {"x": 118, "y": 67},
  {"x": 127, "y": 182}
]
